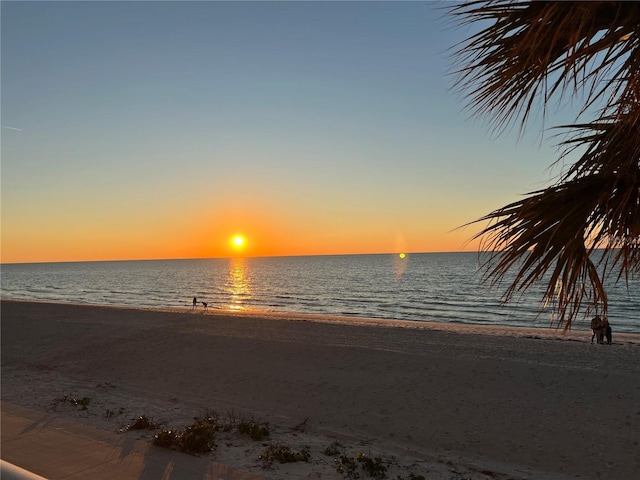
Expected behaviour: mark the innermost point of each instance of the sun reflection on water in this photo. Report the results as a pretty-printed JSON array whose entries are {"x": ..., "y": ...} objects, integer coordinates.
[{"x": 238, "y": 285}]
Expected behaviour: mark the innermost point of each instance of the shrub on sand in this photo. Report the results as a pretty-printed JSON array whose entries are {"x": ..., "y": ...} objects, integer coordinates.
[
  {"x": 284, "y": 454},
  {"x": 254, "y": 429},
  {"x": 143, "y": 423},
  {"x": 195, "y": 439}
]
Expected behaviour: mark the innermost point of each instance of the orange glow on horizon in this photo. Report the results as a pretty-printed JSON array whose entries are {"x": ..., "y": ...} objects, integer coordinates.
[
  {"x": 206, "y": 244},
  {"x": 227, "y": 232}
]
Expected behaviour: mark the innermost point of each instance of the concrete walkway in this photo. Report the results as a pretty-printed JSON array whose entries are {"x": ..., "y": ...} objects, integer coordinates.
[{"x": 56, "y": 448}]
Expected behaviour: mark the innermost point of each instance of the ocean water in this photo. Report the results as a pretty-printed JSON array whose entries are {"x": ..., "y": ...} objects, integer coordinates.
[{"x": 433, "y": 287}]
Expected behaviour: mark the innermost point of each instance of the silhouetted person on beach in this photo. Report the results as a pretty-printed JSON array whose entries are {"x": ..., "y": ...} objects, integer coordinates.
[
  {"x": 607, "y": 331},
  {"x": 205, "y": 305},
  {"x": 195, "y": 302},
  {"x": 597, "y": 326}
]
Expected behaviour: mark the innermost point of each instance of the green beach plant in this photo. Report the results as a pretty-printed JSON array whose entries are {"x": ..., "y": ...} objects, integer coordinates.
[
  {"x": 143, "y": 423},
  {"x": 197, "y": 437},
  {"x": 334, "y": 449},
  {"x": 194, "y": 439},
  {"x": 254, "y": 429},
  {"x": 249, "y": 426},
  {"x": 347, "y": 466},
  {"x": 165, "y": 438},
  {"x": 372, "y": 466},
  {"x": 283, "y": 454},
  {"x": 526, "y": 54},
  {"x": 352, "y": 467},
  {"x": 220, "y": 422}
]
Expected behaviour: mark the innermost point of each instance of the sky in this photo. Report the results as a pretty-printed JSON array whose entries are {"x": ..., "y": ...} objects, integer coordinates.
[{"x": 142, "y": 130}]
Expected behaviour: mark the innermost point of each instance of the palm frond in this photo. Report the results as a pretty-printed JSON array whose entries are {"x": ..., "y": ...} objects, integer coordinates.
[
  {"x": 534, "y": 50},
  {"x": 538, "y": 52}
]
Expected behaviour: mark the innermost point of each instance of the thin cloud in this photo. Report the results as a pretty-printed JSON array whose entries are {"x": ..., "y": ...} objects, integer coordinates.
[{"x": 12, "y": 128}]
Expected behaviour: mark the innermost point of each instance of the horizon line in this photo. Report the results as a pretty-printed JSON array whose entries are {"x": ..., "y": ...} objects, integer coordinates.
[{"x": 235, "y": 257}]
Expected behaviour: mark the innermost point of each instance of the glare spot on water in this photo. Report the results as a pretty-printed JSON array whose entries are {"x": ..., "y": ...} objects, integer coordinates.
[{"x": 400, "y": 265}]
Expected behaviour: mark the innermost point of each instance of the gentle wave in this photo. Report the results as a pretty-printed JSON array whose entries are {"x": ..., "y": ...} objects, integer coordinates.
[{"x": 435, "y": 287}]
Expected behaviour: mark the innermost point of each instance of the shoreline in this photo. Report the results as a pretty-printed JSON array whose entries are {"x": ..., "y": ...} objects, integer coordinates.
[
  {"x": 445, "y": 403},
  {"x": 463, "y": 328}
]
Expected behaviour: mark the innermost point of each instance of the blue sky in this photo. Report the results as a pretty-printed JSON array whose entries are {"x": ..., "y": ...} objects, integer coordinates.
[{"x": 154, "y": 129}]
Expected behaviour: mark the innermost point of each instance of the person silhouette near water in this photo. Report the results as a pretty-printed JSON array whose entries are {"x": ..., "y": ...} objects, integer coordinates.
[
  {"x": 195, "y": 302},
  {"x": 205, "y": 305},
  {"x": 606, "y": 329},
  {"x": 597, "y": 327}
]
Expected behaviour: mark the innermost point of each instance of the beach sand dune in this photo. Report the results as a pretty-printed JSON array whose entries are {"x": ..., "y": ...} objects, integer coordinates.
[{"x": 447, "y": 402}]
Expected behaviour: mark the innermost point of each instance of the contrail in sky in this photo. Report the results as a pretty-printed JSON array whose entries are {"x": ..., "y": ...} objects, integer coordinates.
[{"x": 12, "y": 128}]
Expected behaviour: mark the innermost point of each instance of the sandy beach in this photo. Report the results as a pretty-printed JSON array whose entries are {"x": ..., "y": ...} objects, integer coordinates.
[{"x": 441, "y": 401}]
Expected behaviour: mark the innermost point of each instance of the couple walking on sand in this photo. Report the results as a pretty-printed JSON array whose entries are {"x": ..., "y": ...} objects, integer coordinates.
[{"x": 601, "y": 329}]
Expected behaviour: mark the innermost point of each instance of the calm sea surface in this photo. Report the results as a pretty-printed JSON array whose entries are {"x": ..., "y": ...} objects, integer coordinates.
[{"x": 434, "y": 287}]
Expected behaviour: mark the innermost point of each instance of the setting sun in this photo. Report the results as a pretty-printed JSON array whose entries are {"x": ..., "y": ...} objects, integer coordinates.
[{"x": 238, "y": 241}]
